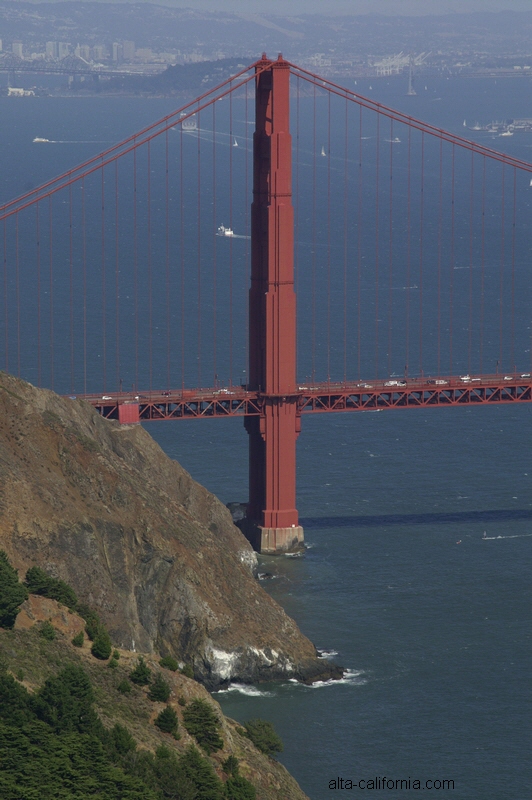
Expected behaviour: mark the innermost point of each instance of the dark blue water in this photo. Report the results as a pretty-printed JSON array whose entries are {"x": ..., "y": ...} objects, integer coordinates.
[{"x": 419, "y": 528}]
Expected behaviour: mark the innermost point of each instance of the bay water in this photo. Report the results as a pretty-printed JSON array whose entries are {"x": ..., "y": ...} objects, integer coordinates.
[{"x": 418, "y": 526}]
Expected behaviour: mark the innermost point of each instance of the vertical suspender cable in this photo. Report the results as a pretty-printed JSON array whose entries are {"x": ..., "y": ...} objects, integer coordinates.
[
  {"x": 470, "y": 325},
  {"x": 390, "y": 253},
  {"x": 231, "y": 240},
  {"x": 408, "y": 247},
  {"x": 198, "y": 224},
  {"x": 84, "y": 269},
  {"x": 6, "y": 304},
  {"x": 314, "y": 190},
  {"x": 117, "y": 284},
  {"x": 214, "y": 250},
  {"x": 377, "y": 178},
  {"x": 482, "y": 262},
  {"x": 150, "y": 277},
  {"x": 328, "y": 236},
  {"x": 136, "y": 266},
  {"x": 38, "y": 233},
  {"x": 104, "y": 296},
  {"x": 182, "y": 252},
  {"x": 71, "y": 287},
  {"x": 451, "y": 265},
  {"x": 51, "y": 294},
  {"x": 512, "y": 327},
  {"x": 346, "y": 175},
  {"x": 421, "y": 232},
  {"x": 167, "y": 256},
  {"x": 501, "y": 268},
  {"x": 17, "y": 288},
  {"x": 359, "y": 245},
  {"x": 440, "y": 221}
]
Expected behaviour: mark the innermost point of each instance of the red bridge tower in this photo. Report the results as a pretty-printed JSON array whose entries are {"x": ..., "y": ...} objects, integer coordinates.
[{"x": 272, "y": 520}]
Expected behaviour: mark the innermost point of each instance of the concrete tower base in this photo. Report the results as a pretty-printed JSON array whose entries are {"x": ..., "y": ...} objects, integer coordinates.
[{"x": 273, "y": 541}]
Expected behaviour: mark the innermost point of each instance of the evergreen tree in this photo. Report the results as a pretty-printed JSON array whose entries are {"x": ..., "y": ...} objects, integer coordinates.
[
  {"x": 47, "y": 630},
  {"x": 166, "y": 721},
  {"x": 263, "y": 736},
  {"x": 141, "y": 675},
  {"x": 38, "y": 582},
  {"x": 159, "y": 690},
  {"x": 124, "y": 687},
  {"x": 239, "y": 788},
  {"x": 169, "y": 663},
  {"x": 101, "y": 646},
  {"x": 202, "y": 775},
  {"x": 201, "y": 721},
  {"x": 12, "y": 592},
  {"x": 77, "y": 641}
]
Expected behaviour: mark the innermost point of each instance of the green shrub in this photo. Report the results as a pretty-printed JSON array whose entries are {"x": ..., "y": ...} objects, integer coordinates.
[
  {"x": 159, "y": 690},
  {"x": 181, "y": 700},
  {"x": 113, "y": 663},
  {"x": 101, "y": 646},
  {"x": 78, "y": 639},
  {"x": 124, "y": 687},
  {"x": 47, "y": 631},
  {"x": 12, "y": 593},
  {"x": 141, "y": 675},
  {"x": 38, "y": 582},
  {"x": 263, "y": 736},
  {"x": 239, "y": 788},
  {"x": 166, "y": 721},
  {"x": 122, "y": 740},
  {"x": 169, "y": 663},
  {"x": 20, "y": 675},
  {"x": 116, "y": 654},
  {"x": 187, "y": 671},
  {"x": 230, "y": 765},
  {"x": 92, "y": 620},
  {"x": 201, "y": 721}
]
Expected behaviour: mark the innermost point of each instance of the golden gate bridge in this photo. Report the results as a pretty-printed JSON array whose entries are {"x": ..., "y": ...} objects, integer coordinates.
[{"x": 405, "y": 249}]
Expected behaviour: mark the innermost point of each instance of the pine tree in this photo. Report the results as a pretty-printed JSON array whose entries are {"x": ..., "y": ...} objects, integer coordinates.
[
  {"x": 202, "y": 722},
  {"x": 12, "y": 592},
  {"x": 141, "y": 675},
  {"x": 159, "y": 690},
  {"x": 167, "y": 720}
]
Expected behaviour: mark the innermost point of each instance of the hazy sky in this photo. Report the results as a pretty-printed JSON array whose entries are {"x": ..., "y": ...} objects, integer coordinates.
[{"x": 359, "y": 6}]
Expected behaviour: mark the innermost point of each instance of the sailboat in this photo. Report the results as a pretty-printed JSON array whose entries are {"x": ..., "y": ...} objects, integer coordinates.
[
  {"x": 235, "y": 143},
  {"x": 323, "y": 153}
]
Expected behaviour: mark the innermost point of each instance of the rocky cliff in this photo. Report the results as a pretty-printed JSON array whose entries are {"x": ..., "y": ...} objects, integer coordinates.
[{"x": 100, "y": 506}]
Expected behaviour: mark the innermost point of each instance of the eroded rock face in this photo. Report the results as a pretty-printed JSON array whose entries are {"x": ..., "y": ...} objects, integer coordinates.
[{"x": 102, "y": 507}]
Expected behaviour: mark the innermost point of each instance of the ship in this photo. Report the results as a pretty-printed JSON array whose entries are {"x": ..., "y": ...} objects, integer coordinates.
[
  {"x": 223, "y": 231},
  {"x": 38, "y": 139}
]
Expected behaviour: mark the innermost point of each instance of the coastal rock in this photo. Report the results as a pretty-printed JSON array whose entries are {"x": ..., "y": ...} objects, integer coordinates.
[{"x": 100, "y": 506}]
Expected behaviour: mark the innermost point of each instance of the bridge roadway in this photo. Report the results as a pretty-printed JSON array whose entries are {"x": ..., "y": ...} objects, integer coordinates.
[{"x": 370, "y": 395}]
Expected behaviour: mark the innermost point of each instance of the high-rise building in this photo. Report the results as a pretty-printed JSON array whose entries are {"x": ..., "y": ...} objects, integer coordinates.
[
  {"x": 0, "y": 45},
  {"x": 84, "y": 52},
  {"x": 128, "y": 51},
  {"x": 63, "y": 49},
  {"x": 99, "y": 52},
  {"x": 51, "y": 50},
  {"x": 16, "y": 48},
  {"x": 117, "y": 52}
]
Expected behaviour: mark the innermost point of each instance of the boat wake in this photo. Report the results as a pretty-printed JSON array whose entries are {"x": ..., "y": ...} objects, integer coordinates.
[
  {"x": 511, "y": 536},
  {"x": 245, "y": 689}
]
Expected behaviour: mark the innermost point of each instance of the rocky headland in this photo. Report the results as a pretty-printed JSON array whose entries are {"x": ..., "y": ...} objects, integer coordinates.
[{"x": 101, "y": 507}]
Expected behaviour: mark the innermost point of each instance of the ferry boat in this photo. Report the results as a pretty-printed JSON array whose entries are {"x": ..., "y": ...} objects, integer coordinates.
[{"x": 223, "y": 231}]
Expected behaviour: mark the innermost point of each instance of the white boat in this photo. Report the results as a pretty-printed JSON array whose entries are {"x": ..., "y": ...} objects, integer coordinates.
[
  {"x": 38, "y": 139},
  {"x": 235, "y": 143},
  {"x": 223, "y": 231},
  {"x": 323, "y": 153},
  {"x": 507, "y": 133}
]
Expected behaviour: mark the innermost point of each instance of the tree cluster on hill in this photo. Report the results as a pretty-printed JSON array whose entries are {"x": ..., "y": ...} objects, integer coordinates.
[{"x": 53, "y": 745}]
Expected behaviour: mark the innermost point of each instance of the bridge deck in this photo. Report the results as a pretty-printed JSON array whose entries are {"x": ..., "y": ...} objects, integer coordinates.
[{"x": 371, "y": 395}]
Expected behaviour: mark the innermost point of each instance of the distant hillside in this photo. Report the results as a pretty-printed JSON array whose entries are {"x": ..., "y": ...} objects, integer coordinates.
[{"x": 187, "y": 79}]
